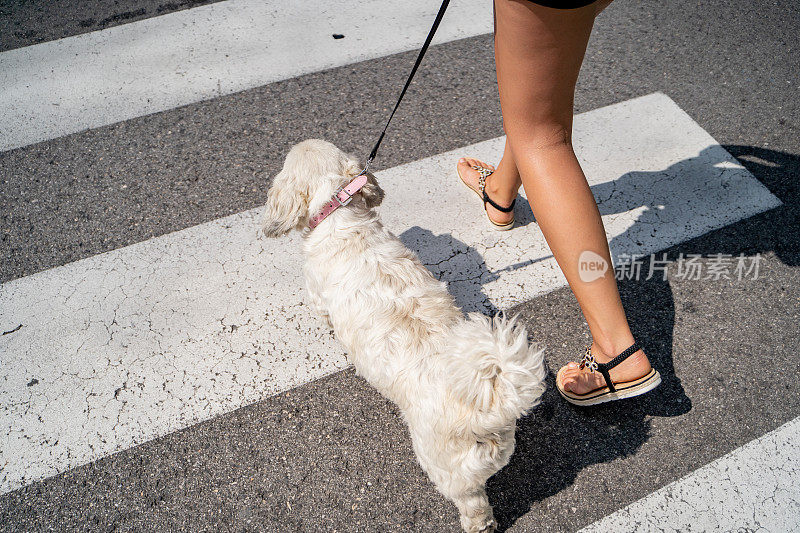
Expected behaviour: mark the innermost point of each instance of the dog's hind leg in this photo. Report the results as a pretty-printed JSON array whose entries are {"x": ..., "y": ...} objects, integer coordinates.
[
  {"x": 475, "y": 512},
  {"x": 459, "y": 477},
  {"x": 465, "y": 482}
]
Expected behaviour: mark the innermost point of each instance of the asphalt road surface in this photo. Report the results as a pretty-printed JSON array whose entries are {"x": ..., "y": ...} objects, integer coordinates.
[{"x": 329, "y": 453}]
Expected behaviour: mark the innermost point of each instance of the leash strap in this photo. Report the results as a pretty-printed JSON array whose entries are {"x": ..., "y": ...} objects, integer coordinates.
[{"x": 422, "y": 51}]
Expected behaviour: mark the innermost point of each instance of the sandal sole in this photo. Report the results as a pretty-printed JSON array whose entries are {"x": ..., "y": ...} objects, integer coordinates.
[
  {"x": 625, "y": 389},
  {"x": 495, "y": 225}
]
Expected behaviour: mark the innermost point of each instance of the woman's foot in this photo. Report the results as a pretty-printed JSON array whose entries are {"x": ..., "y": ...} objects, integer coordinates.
[
  {"x": 471, "y": 179},
  {"x": 582, "y": 381}
]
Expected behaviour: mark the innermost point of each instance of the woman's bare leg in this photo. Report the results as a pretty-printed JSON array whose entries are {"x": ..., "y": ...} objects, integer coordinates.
[
  {"x": 538, "y": 53},
  {"x": 503, "y": 184}
]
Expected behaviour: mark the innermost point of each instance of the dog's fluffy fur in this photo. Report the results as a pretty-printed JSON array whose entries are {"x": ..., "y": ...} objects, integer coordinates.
[{"x": 461, "y": 382}]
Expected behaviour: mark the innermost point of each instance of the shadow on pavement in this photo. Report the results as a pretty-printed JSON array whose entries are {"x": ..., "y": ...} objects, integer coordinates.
[{"x": 558, "y": 440}]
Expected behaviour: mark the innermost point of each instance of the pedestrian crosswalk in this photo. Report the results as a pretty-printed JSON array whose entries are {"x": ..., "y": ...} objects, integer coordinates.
[
  {"x": 117, "y": 349},
  {"x": 150, "y": 338}
]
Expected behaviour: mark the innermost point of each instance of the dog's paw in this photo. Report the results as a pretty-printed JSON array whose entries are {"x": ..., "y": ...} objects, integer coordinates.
[
  {"x": 489, "y": 527},
  {"x": 482, "y": 524}
]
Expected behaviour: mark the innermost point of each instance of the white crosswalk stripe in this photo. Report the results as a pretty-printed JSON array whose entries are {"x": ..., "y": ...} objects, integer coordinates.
[
  {"x": 754, "y": 488},
  {"x": 132, "y": 344},
  {"x": 91, "y": 80}
]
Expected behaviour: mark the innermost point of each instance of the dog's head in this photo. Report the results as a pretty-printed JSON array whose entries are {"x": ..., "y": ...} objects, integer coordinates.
[{"x": 313, "y": 171}]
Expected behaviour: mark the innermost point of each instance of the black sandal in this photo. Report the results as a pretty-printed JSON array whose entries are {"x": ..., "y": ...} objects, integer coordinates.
[
  {"x": 612, "y": 391},
  {"x": 484, "y": 173}
]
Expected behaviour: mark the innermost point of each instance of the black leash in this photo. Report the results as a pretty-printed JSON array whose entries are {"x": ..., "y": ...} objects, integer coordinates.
[{"x": 422, "y": 51}]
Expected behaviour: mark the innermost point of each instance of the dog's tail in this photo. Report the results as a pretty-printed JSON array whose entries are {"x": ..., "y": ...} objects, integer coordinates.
[{"x": 494, "y": 373}]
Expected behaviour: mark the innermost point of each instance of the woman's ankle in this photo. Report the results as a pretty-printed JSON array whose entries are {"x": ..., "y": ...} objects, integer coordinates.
[
  {"x": 502, "y": 186},
  {"x": 633, "y": 367},
  {"x": 607, "y": 349}
]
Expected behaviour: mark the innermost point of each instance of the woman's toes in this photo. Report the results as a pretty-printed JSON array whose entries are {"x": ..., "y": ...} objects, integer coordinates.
[
  {"x": 479, "y": 163},
  {"x": 570, "y": 371},
  {"x": 575, "y": 380},
  {"x": 467, "y": 165},
  {"x": 567, "y": 375}
]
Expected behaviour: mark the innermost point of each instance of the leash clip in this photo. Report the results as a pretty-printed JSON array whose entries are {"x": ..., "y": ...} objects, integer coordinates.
[{"x": 366, "y": 167}]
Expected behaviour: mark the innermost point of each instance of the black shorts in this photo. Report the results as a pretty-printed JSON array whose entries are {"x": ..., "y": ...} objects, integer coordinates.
[{"x": 563, "y": 4}]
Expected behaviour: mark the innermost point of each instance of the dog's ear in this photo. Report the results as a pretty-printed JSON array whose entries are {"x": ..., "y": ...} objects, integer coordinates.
[
  {"x": 372, "y": 192},
  {"x": 286, "y": 205}
]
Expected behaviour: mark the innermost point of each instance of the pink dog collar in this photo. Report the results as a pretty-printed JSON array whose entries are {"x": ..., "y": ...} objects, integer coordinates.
[{"x": 341, "y": 198}]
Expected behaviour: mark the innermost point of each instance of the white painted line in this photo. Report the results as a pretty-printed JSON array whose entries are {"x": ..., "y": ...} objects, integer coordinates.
[
  {"x": 135, "y": 343},
  {"x": 86, "y": 81},
  {"x": 754, "y": 488}
]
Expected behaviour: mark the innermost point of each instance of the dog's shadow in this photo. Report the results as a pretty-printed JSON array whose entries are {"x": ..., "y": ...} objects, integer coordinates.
[{"x": 456, "y": 263}]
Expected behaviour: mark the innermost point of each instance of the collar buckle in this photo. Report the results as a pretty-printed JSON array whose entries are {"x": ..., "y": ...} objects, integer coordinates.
[{"x": 345, "y": 202}]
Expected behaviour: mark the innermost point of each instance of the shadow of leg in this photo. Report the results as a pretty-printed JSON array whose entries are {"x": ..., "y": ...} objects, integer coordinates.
[
  {"x": 650, "y": 308},
  {"x": 559, "y": 440},
  {"x": 555, "y": 444}
]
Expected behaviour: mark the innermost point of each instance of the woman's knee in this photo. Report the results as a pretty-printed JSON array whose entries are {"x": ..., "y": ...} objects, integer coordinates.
[{"x": 538, "y": 135}]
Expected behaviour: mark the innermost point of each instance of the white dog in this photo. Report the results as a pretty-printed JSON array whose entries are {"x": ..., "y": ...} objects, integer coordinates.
[{"x": 461, "y": 382}]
